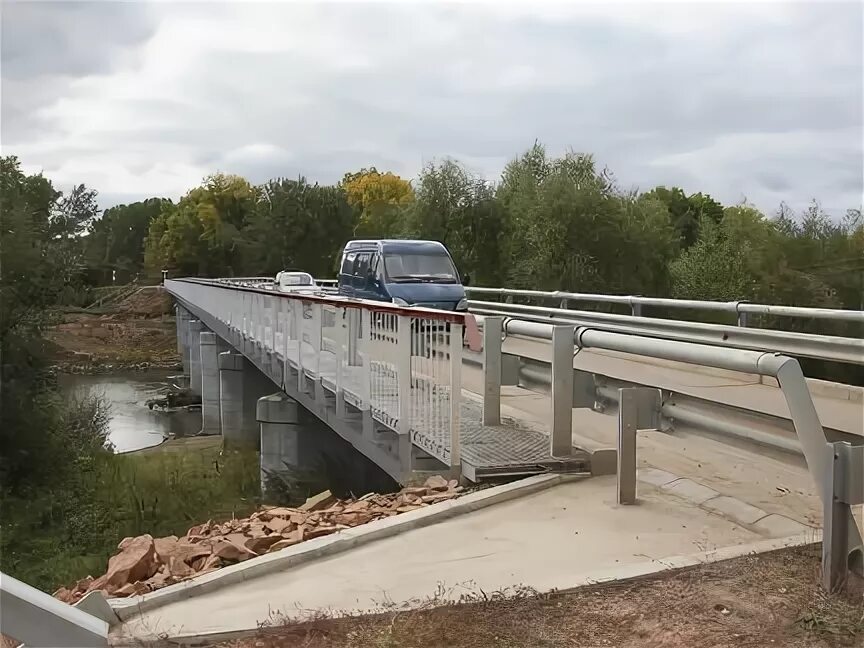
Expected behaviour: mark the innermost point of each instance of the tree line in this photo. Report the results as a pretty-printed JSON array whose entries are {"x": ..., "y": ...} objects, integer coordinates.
[{"x": 547, "y": 223}]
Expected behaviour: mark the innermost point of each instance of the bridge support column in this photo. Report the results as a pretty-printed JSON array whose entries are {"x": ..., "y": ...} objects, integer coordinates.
[
  {"x": 183, "y": 317},
  {"x": 238, "y": 399},
  {"x": 210, "y": 348},
  {"x": 278, "y": 417},
  {"x": 193, "y": 341}
]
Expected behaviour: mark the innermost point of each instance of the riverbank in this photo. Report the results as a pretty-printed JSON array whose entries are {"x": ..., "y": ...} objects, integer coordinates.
[{"x": 136, "y": 333}]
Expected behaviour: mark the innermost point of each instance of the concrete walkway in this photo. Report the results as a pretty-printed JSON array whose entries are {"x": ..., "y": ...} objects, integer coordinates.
[
  {"x": 773, "y": 480},
  {"x": 569, "y": 535}
]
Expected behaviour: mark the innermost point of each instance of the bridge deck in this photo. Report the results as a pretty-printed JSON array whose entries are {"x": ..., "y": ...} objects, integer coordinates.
[{"x": 487, "y": 451}]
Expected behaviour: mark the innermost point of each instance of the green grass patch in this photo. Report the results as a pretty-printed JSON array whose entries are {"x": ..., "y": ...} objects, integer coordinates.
[{"x": 70, "y": 531}]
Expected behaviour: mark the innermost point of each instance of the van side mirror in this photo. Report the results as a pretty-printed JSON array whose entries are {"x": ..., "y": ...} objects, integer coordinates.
[
  {"x": 466, "y": 279},
  {"x": 370, "y": 277}
]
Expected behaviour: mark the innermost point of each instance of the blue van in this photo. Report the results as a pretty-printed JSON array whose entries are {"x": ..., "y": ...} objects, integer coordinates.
[{"x": 409, "y": 273}]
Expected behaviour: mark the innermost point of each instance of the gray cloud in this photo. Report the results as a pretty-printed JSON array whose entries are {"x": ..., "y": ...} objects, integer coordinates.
[{"x": 760, "y": 100}]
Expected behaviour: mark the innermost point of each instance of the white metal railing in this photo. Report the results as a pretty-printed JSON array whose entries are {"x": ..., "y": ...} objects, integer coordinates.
[{"x": 402, "y": 364}]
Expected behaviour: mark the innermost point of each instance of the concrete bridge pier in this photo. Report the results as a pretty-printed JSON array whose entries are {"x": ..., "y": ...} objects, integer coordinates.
[
  {"x": 182, "y": 318},
  {"x": 279, "y": 419},
  {"x": 193, "y": 342},
  {"x": 240, "y": 387},
  {"x": 211, "y": 345}
]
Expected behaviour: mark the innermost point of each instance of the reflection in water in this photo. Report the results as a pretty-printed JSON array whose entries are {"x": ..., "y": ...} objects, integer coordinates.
[{"x": 133, "y": 425}]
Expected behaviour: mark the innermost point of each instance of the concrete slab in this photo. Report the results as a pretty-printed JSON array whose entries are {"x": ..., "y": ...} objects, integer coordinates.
[
  {"x": 655, "y": 476},
  {"x": 774, "y": 525},
  {"x": 735, "y": 509},
  {"x": 690, "y": 490},
  {"x": 564, "y": 537}
]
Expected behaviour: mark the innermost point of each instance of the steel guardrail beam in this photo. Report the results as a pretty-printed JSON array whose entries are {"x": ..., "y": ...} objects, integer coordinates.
[{"x": 806, "y": 345}]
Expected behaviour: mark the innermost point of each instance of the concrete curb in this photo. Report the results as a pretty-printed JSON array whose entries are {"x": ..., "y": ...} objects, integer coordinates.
[{"x": 310, "y": 550}]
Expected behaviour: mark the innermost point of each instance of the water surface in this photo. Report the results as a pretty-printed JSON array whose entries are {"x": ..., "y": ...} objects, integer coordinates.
[{"x": 132, "y": 425}]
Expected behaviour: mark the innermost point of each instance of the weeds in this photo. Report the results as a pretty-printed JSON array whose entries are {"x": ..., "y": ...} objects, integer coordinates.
[{"x": 70, "y": 530}]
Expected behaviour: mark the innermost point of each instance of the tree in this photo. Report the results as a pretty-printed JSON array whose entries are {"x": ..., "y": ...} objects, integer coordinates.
[
  {"x": 687, "y": 212},
  {"x": 199, "y": 235},
  {"x": 378, "y": 199},
  {"x": 297, "y": 226},
  {"x": 115, "y": 242},
  {"x": 39, "y": 261},
  {"x": 459, "y": 209}
]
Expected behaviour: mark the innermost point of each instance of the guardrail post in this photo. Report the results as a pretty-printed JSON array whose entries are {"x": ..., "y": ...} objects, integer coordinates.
[
  {"x": 403, "y": 370},
  {"x": 455, "y": 394},
  {"x": 626, "y": 446},
  {"x": 299, "y": 308},
  {"x": 842, "y": 549},
  {"x": 562, "y": 390},
  {"x": 341, "y": 349},
  {"x": 492, "y": 370},
  {"x": 743, "y": 318},
  {"x": 638, "y": 409}
]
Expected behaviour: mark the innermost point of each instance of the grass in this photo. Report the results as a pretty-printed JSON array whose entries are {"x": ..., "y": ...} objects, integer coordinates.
[
  {"x": 71, "y": 532},
  {"x": 768, "y": 599}
]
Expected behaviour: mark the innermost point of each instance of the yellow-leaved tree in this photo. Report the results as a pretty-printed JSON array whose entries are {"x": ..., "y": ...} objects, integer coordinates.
[{"x": 379, "y": 199}]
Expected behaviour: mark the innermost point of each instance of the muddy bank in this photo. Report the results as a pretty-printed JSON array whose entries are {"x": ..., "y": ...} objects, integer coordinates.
[{"x": 137, "y": 333}]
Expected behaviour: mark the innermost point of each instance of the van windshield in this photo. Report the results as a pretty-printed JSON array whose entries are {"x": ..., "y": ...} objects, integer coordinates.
[{"x": 411, "y": 267}]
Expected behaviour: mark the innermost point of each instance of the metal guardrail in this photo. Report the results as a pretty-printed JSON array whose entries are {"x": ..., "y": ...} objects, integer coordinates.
[
  {"x": 804, "y": 345},
  {"x": 742, "y": 309},
  {"x": 38, "y": 620}
]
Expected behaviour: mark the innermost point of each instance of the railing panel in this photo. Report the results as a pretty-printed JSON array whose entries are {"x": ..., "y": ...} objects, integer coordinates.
[{"x": 402, "y": 364}]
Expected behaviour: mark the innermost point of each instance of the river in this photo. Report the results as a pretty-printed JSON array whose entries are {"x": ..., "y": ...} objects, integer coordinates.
[{"x": 132, "y": 425}]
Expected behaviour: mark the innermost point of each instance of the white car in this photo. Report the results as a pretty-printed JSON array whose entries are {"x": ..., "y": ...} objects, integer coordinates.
[{"x": 294, "y": 282}]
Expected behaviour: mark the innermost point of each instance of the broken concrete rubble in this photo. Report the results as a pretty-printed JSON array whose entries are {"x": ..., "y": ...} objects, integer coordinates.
[{"x": 144, "y": 564}]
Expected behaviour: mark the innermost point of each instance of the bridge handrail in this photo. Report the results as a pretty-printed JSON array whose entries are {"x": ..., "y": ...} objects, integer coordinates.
[
  {"x": 636, "y": 301},
  {"x": 809, "y": 345},
  {"x": 456, "y": 317},
  {"x": 401, "y": 365}
]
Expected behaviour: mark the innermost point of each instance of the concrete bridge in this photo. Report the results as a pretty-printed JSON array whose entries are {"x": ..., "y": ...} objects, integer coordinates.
[{"x": 737, "y": 450}]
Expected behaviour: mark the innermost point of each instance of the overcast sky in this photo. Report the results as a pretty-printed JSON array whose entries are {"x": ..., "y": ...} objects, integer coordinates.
[{"x": 760, "y": 100}]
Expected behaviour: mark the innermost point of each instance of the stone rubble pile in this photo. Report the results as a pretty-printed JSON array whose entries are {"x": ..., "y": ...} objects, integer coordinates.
[{"x": 145, "y": 564}]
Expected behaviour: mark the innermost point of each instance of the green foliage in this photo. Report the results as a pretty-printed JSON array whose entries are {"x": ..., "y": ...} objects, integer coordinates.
[
  {"x": 57, "y": 534},
  {"x": 198, "y": 236},
  {"x": 687, "y": 212},
  {"x": 459, "y": 209},
  {"x": 294, "y": 227},
  {"x": 115, "y": 242}
]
